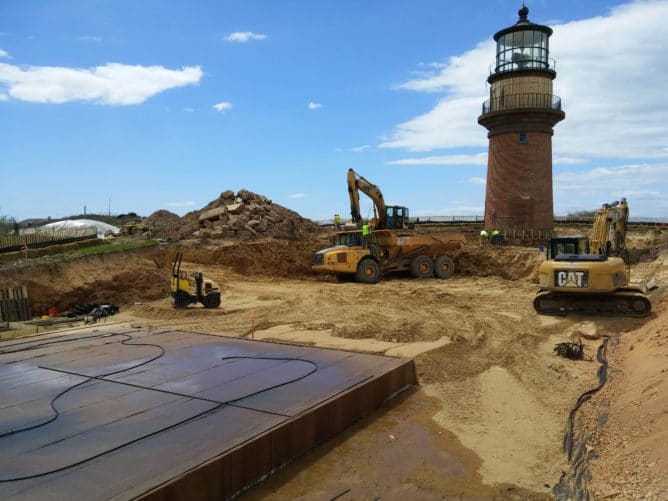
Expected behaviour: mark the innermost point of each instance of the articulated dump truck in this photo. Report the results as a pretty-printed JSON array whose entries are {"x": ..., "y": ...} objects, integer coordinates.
[{"x": 367, "y": 259}]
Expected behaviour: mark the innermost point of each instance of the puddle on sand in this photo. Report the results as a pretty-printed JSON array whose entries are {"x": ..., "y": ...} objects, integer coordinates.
[{"x": 396, "y": 453}]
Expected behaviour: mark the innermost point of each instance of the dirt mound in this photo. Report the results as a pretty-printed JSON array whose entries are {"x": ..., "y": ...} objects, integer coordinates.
[
  {"x": 162, "y": 224},
  {"x": 267, "y": 257},
  {"x": 509, "y": 262}
]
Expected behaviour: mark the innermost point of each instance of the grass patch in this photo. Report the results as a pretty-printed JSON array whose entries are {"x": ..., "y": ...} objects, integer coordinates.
[
  {"x": 71, "y": 251},
  {"x": 107, "y": 248}
]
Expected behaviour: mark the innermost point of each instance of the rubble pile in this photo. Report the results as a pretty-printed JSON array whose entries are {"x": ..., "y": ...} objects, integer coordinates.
[
  {"x": 248, "y": 216},
  {"x": 244, "y": 216}
]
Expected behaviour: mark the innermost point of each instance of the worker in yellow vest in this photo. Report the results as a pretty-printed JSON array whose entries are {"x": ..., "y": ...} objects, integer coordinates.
[
  {"x": 366, "y": 233},
  {"x": 484, "y": 237}
]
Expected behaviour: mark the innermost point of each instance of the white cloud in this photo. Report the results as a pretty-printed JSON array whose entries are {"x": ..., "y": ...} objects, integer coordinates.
[
  {"x": 461, "y": 75},
  {"x": 314, "y": 106},
  {"x": 296, "y": 196},
  {"x": 223, "y": 106},
  {"x": 479, "y": 181},
  {"x": 476, "y": 159},
  {"x": 359, "y": 149},
  {"x": 189, "y": 110},
  {"x": 4, "y": 97},
  {"x": 181, "y": 203},
  {"x": 569, "y": 161},
  {"x": 3, "y": 53},
  {"x": 644, "y": 185},
  {"x": 244, "y": 36},
  {"x": 611, "y": 73},
  {"x": 111, "y": 84},
  {"x": 435, "y": 129}
]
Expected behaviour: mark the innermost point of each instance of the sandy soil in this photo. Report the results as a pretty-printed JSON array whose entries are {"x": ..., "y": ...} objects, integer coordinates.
[{"x": 488, "y": 418}]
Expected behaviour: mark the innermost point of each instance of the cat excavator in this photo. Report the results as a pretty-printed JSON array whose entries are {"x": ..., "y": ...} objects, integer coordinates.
[{"x": 591, "y": 275}]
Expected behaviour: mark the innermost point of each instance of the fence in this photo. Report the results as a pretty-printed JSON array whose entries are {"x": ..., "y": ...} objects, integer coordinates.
[
  {"x": 14, "y": 305},
  {"x": 45, "y": 238},
  {"x": 558, "y": 220}
]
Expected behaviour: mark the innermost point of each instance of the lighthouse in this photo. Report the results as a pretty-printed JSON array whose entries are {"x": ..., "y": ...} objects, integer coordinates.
[{"x": 520, "y": 116}]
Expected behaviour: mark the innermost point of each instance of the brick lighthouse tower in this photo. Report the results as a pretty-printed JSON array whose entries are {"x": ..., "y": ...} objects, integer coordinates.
[{"x": 520, "y": 115}]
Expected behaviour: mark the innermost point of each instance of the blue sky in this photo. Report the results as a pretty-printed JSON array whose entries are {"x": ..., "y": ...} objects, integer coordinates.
[{"x": 137, "y": 106}]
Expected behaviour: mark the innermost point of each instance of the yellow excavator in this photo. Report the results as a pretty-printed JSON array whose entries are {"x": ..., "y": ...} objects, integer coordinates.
[
  {"x": 385, "y": 217},
  {"x": 591, "y": 275},
  {"x": 190, "y": 289}
]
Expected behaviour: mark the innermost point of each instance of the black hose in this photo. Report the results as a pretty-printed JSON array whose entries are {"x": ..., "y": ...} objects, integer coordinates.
[
  {"x": 572, "y": 486},
  {"x": 217, "y": 406}
]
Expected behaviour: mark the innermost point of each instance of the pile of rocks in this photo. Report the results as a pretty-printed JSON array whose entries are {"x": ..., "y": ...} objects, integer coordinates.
[{"x": 248, "y": 216}]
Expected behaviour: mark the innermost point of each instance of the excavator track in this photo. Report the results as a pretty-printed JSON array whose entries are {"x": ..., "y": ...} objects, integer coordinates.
[{"x": 624, "y": 302}]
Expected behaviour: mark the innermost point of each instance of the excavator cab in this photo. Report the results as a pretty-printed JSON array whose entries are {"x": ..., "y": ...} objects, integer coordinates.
[
  {"x": 567, "y": 246},
  {"x": 396, "y": 218}
]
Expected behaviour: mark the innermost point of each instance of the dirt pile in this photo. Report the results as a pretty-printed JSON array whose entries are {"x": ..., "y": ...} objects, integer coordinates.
[
  {"x": 161, "y": 224},
  {"x": 509, "y": 262},
  {"x": 244, "y": 216},
  {"x": 268, "y": 257}
]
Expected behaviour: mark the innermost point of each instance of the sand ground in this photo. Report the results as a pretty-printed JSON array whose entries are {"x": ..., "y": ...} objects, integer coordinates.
[{"x": 488, "y": 417}]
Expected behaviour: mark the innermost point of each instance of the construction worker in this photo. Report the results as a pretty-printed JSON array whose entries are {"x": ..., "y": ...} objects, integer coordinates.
[
  {"x": 337, "y": 221},
  {"x": 366, "y": 233},
  {"x": 484, "y": 236},
  {"x": 496, "y": 237}
]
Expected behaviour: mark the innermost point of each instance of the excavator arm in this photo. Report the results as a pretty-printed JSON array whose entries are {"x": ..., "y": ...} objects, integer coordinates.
[
  {"x": 357, "y": 183},
  {"x": 609, "y": 230}
]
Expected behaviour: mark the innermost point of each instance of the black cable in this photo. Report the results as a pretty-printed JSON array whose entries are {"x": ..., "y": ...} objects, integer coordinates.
[
  {"x": 570, "y": 485},
  {"x": 602, "y": 378},
  {"x": 279, "y": 359},
  {"x": 161, "y": 430},
  {"x": 48, "y": 343},
  {"x": 88, "y": 379}
]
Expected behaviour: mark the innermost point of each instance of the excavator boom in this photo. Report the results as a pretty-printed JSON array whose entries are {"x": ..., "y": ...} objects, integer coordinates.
[
  {"x": 387, "y": 217},
  {"x": 609, "y": 231},
  {"x": 357, "y": 183}
]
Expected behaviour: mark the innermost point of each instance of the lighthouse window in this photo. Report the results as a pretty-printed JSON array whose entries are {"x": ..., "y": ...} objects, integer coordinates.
[{"x": 524, "y": 137}]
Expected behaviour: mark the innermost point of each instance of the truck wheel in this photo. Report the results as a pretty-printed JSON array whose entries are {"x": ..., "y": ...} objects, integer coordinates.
[
  {"x": 444, "y": 267},
  {"x": 422, "y": 267},
  {"x": 368, "y": 271}
]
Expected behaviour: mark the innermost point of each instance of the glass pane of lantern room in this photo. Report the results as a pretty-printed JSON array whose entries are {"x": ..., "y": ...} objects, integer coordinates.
[
  {"x": 535, "y": 38},
  {"x": 501, "y": 44}
]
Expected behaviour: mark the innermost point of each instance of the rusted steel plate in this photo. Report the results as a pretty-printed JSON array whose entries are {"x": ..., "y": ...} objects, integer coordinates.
[{"x": 158, "y": 414}]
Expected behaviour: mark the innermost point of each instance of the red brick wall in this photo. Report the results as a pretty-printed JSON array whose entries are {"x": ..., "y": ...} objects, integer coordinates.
[{"x": 519, "y": 181}]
